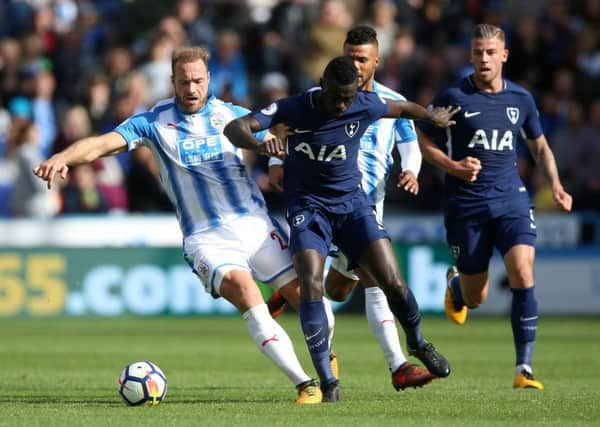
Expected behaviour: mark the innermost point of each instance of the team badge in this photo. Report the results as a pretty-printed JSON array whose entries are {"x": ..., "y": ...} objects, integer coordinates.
[
  {"x": 298, "y": 219},
  {"x": 352, "y": 128},
  {"x": 217, "y": 120},
  {"x": 202, "y": 268},
  {"x": 270, "y": 110},
  {"x": 455, "y": 251},
  {"x": 513, "y": 114}
]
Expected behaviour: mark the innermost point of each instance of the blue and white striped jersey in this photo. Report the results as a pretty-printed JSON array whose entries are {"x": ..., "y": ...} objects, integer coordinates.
[
  {"x": 203, "y": 174},
  {"x": 377, "y": 145}
]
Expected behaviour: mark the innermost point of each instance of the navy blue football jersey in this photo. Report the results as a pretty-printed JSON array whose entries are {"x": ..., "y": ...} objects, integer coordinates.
[
  {"x": 487, "y": 127},
  {"x": 322, "y": 152}
]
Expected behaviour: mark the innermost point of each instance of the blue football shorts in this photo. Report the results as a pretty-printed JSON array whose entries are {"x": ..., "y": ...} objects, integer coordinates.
[
  {"x": 472, "y": 241},
  {"x": 312, "y": 227}
]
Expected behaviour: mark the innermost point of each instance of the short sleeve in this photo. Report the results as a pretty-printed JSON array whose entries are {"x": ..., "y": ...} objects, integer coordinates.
[
  {"x": 137, "y": 130},
  {"x": 240, "y": 111},
  {"x": 404, "y": 131},
  {"x": 273, "y": 114},
  {"x": 532, "y": 126}
]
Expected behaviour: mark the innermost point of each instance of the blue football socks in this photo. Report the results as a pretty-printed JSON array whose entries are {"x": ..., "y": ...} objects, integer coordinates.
[
  {"x": 524, "y": 318},
  {"x": 407, "y": 312},
  {"x": 316, "y": 334}
]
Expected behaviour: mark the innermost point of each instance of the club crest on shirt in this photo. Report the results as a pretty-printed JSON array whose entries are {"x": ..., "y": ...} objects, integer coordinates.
[
  {"x": 217, "y": 120},
  {"x": 270, "y": 110},
  {"x": 202, "y": 268},
  {"x": 455, "y": 250},
  {"x": 352, "y": 128},
  {"x": 298, "y": 219},
  {"x": 513, "y": 114}
]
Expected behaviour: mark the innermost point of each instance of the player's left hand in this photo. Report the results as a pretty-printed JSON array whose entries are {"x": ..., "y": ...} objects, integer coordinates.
[
  {"x": 562, "y": 199},
  {"x": 441, "y": 116},
  {"x": 408, "y": 182},
  {"x": 273, "y": 147}
]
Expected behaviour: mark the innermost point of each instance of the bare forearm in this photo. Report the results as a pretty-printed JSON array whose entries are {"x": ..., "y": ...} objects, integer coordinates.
[
  {"x": 239, "y": 134},
  {"x": 411, "y": 110},
  {"x": 83, "y": 151},
  {"x": 543, "y": 156},
  {"x": 434, "y": 155},
  {"x": 546, "y": 158}
]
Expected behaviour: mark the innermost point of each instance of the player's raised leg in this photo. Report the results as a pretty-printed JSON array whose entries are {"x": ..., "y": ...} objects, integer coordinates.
[
  {"x": 378, "y": 260},
  {"x": 239, "y": 288},
  {"x": 524, "y": 312}
]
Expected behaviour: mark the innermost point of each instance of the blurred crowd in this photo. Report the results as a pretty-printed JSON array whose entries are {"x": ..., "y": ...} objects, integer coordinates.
[{"x": 75, "y": 68}]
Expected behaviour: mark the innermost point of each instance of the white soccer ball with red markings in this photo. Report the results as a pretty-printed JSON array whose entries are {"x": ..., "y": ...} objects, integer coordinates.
[{"x": 142, "y": 383}]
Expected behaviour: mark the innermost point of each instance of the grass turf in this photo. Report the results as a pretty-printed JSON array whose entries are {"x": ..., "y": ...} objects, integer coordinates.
[{"x": 58, "y": 372}]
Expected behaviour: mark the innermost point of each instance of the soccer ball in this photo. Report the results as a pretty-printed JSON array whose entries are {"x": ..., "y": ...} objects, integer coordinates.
[{"x": 142, "y": 383}]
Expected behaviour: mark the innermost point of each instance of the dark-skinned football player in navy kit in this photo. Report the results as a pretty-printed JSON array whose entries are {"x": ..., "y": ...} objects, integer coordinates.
[{"x": 326, "y": 204}]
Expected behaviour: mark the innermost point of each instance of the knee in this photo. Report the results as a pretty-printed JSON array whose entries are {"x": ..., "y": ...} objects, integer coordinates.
[
  {"x": 338, "y": 294},
  {"x": 520, "y": 278},
  {"x": 338, "y": 287}
]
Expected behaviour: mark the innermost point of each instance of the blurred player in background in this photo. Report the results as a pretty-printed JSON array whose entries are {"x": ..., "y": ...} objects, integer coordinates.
[
  {"x": 486, "y": 205},
  {"x": 228, "y": 236},
  {"x": 326, "y": 203},
  {"x": 375, "y": 163}
]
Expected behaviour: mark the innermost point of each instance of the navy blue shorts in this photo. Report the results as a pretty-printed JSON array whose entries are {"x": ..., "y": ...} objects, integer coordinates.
[
  {"x": 472, "y": 242},
  {"x": 312, "y": 227}
]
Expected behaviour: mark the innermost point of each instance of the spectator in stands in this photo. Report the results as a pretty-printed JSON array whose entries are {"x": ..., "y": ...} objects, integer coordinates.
[
  {"x": 196, "y": 22},
  {"x": 157, "y": 69},
  {"x": 30, "y": 197},
  {"x": 584, "y": 161},
  {"x": 228, "y": 72},
  {"x": 81, "y": 195},
  {"x": 324, "y": 41}
]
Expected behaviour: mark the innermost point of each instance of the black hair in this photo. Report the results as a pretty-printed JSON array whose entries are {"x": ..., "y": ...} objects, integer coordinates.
[
  {"x": 361, "y": 34},
  {"x": 341, "y": 70}
]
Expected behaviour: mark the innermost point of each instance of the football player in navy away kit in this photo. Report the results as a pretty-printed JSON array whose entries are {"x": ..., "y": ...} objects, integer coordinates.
[
  {"x": 375, "y": 162},
  {"x": 326, "y": 203},
  {"x": 485, "y": 203}
]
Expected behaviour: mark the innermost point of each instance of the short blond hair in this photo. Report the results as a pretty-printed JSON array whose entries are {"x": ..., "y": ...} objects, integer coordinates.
[
  {"x": 488, "y": 31},
  {"x": 189, "y": 54}
]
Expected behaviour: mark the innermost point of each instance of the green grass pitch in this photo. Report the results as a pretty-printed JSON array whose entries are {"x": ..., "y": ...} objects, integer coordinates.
[{"x": 62, "y": 372}]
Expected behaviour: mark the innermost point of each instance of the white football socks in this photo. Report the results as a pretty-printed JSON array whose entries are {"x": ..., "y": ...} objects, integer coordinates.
[
  {"x": 330, "y": 318},
  {"x": 274, "y": 342},
  {"x": 383, "y": 324}
]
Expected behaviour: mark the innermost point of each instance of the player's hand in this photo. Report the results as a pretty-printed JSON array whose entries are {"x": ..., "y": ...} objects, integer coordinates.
[
  {"x": 467, "y": 169},
  {"x": 273, "y": 147},
  {"x": 276, "y": 178},
  {"x": 408, "y": 182},
  {"x": 47, "y": 169},
  {"x": 441, "y": 116},
  {"x": 562, "y": 199}
]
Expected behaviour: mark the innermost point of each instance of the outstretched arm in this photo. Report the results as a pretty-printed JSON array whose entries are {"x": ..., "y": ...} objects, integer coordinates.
[
  {"x": 411, "y": 160},
  {"x": 541, "y": 152},
  {"x": 439, "y": 116},
  {"x": 466, "y": 169},
  {"x": 83, "y": 151},
  {"x": 239, "y": 132}
]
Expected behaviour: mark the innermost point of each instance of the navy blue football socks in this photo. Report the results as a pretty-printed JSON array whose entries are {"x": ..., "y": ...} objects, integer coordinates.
[
  {"x": 407, "y": 312},
  {"x": 524, "y": 318},
  {"x": 316, "y": 334}
]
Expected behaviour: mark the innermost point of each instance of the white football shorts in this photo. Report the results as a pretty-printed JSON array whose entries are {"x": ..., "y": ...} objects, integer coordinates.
[
  {"x": 253, "y": 242},
  {"x": 339, "y": 262}
]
